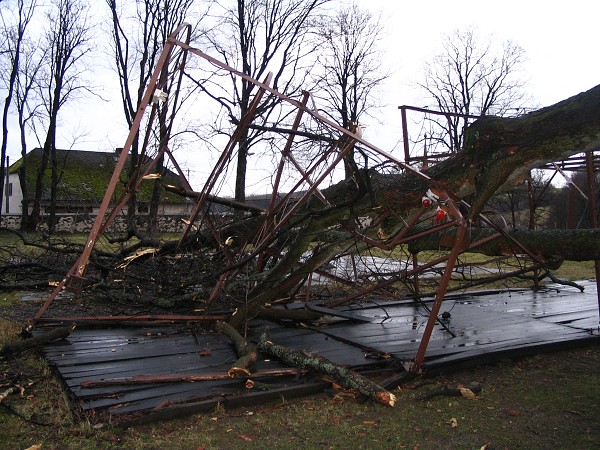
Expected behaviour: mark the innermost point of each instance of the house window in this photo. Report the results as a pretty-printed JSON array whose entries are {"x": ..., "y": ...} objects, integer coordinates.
[{"x": 9, "y": 189}]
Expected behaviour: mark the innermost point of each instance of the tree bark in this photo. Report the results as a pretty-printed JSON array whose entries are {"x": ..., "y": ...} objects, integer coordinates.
[
  {"x": 246, "y": 352},
  {"x": 20, "y": 346},
  {"x": 341, "y": 375},
  {"x": 573, "y": 245}
]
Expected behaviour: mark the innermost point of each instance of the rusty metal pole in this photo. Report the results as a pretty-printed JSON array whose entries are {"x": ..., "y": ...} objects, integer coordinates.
[
  {"x": 405, "y": 134},
  {"x": 591, "y": 185},
  {"x": 457, "y": 248},
  {"x": 570, "y": 209},
  {"x": 439, "y": 297}
]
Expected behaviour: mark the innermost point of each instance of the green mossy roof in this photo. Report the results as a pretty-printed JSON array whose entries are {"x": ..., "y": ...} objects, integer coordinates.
[{"x": 85, "y": 175}]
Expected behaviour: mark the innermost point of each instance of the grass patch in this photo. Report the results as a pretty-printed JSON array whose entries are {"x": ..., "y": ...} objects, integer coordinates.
[
  {"x": 8, "y": 330},
  {"x": 576, "y": 270},
  {"x": 9, "y": 298}
]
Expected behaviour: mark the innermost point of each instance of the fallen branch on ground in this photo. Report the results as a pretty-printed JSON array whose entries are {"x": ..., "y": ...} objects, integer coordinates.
[
  {"x": 5, "y": 393},
  {"x": 260, "y": 386},
  {"x": 11, "y": 348},
  {"x": 345, "y": 377},
  {"x": 246, "y": 352},
  {"x": 555, "y": 279},
  {"x": 189, "y": 378},
  {"x": 453, "y": 391}
]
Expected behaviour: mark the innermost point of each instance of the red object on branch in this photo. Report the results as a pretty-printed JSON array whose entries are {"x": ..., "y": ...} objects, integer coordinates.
[
  {"x": 440, "y": 214},
  {"x": 426, "y": 202}
]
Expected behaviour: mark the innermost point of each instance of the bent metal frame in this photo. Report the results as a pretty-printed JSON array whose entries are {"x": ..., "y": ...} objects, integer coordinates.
[{"x": 165, "y": 83}]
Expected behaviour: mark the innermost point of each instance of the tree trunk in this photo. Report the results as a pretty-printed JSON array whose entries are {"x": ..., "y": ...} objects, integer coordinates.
[
  {"x": 498, "y": 154},
  {"x": 573, "y": 245},
  {"x": 22, "y": 174},
  {"x": 9, "y": 97},
  {"x": 153, "y": 212},
  {"x": 242, "y": 164},
  {"x": 34, "y": 218},
  {"x": 131, "y": 171},
  {"x": 53, "y": 190}
]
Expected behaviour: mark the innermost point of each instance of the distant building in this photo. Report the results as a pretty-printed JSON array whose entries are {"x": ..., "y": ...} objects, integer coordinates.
[{"x": 83, "y": 178}]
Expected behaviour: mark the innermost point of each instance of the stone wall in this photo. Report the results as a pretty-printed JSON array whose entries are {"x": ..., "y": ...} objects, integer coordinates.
[
  {"x": 82, "y": 223},
  {"x": 11, "y": 222}
]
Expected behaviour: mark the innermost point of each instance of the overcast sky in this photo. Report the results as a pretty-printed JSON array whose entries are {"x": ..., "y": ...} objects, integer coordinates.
[
  {"x": 560, "y": 38},
  {"x": 561, "y": 41}
]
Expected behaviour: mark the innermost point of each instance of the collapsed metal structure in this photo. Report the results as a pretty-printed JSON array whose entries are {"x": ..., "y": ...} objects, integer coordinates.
[{"x": 296, "y": 181}]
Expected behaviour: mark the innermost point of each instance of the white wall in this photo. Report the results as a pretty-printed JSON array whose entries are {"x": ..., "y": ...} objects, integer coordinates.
[{"x": 11, "y": 204}]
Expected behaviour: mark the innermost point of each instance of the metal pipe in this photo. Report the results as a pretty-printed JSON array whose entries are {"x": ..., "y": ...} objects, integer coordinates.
[
  {"x": 591, "y": 185},
  {"x": 439, "y": 297}
]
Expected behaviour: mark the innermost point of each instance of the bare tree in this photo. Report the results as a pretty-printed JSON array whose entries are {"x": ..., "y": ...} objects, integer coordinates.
[
  {"x": 350, "y": 65},
  {"x": 472, "y": 76},
  {"x": 258, "y": 37},
  {"x": 28, "y": 106},
  {"x": 539, "y": 192},
  {"x": 13, "y": 35},
  {"x": 527, "y": 204},
  {"x": 138, "y": 36},
  {"x": 68, "y": 41}
]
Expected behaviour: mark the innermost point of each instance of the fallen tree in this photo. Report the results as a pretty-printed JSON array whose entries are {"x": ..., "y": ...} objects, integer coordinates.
[
  {"x": 498, "y": 154},
  {"x": 553, "y": 245},
  {"x": 252, "y": 257},
  {"x": 341, "y": 375}
]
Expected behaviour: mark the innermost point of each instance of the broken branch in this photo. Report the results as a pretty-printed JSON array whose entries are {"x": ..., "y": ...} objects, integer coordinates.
[
  {"x": 341, "y": 375},
  {"x": 246, "y": 352},
  {"x": 453, "y": 391},
  {"x": 190, "y": 378},
  {"x": 11, "y": 348}
]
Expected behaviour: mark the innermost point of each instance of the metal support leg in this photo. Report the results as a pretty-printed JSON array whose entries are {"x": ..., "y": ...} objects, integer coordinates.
[{"x": 439, "y": 297}]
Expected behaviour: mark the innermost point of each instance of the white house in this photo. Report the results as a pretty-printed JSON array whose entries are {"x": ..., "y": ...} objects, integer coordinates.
[{"x": 83, "y": 178}]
